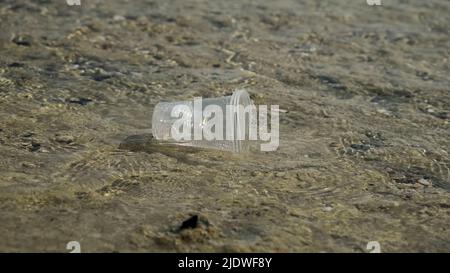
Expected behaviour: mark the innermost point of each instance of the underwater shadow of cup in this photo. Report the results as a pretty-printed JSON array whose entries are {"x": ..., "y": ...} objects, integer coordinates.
[{"x": 184, "y": 154}]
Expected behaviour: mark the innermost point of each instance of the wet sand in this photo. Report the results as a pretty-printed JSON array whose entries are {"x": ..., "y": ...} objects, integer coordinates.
[{"x": 364, "y": 139}]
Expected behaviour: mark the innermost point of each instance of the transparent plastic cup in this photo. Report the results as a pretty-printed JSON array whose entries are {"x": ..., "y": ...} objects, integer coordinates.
[{"x": 162, "y": 122}]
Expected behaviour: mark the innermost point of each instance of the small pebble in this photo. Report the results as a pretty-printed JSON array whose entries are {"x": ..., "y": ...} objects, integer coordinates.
[
  {"x": 424, "y": 182},
  {"x": 22, "y": 40},
  {"x": 443, "y": 115},
  {"x": 81, "y": 101},
  {"x": 28, "y": 165},
  {"x": 118, "y": 18},
  {"x": 35, "y": 146},
  {"x": 384, "y": 112}
]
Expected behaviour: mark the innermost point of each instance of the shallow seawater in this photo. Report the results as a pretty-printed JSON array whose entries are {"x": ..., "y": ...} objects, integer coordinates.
[{"x": 364, "y": 127}]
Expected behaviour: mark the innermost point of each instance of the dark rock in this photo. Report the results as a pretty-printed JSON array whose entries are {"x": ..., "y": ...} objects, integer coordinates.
[
  {"x": 417, "y": 175},
  {"x": 361, "y": 147},
  {"x": 443, "y": 115},
  {"x": 16, "y": 65},
  {"x": 35, "y": 146},
  {"x": 100, "y": 77},
  {"x": 81, "y": 101},
  {"x": 22, "y": 40},
  {"x": 192, "y": 222}
]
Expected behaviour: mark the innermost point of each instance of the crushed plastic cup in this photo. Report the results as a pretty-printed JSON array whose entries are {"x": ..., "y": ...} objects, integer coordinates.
[{"x": 163, "y": 120}]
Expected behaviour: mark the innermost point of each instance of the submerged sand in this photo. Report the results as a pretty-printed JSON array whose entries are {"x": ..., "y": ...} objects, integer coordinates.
[{"x": 365, "y": 139}]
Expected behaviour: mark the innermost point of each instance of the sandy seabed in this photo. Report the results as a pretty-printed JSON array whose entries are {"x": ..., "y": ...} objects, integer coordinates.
[{"x": 364, "y": 132}]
